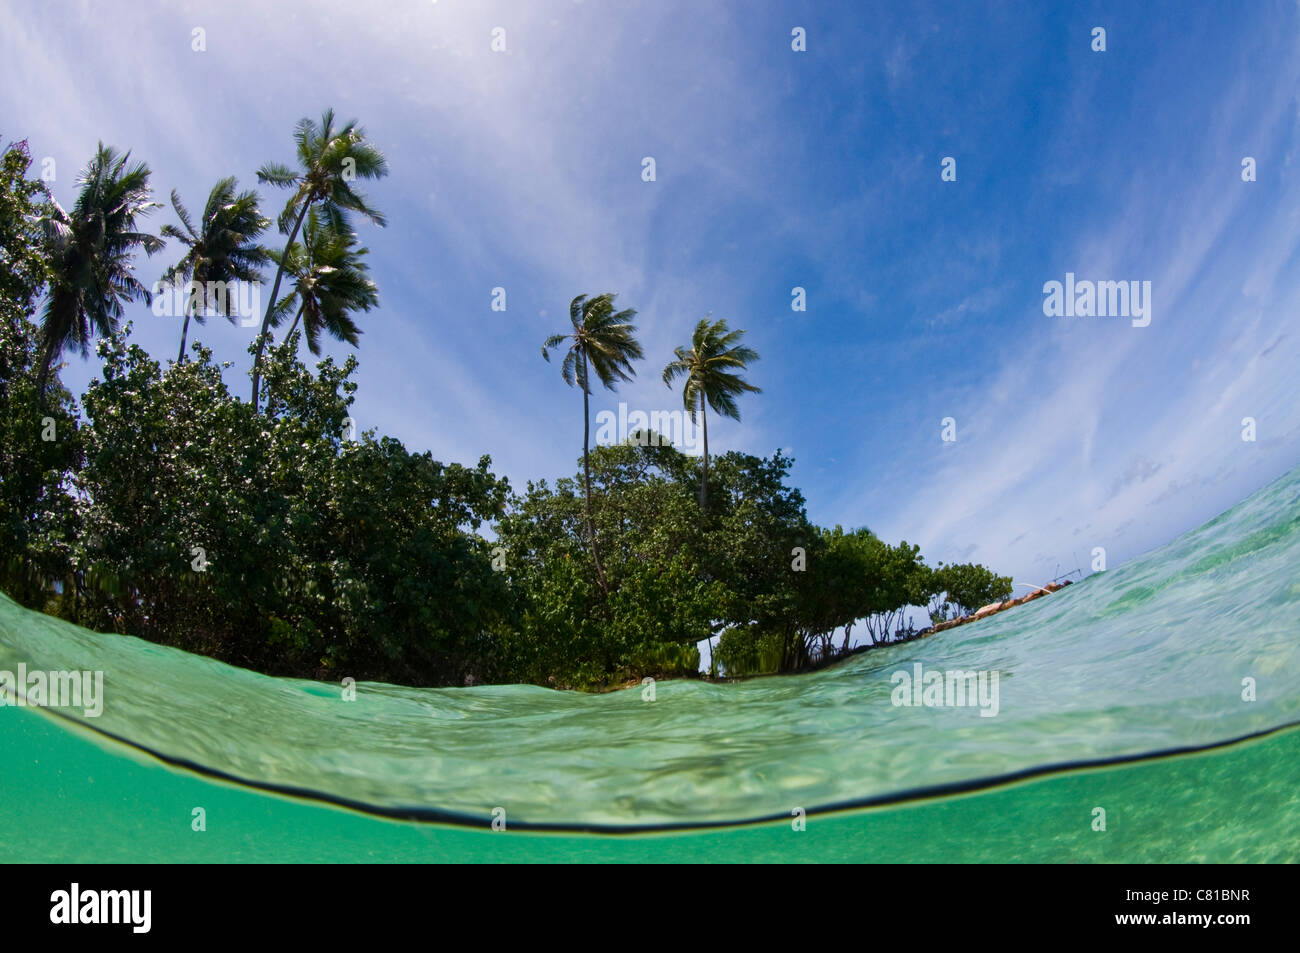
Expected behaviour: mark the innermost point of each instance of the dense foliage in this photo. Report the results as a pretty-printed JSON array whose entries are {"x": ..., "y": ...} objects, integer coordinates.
[{"x": 269, "y": 535}]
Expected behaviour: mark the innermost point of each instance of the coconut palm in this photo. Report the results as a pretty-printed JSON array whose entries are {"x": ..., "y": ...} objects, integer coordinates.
[
  {"x": 90, "y": 250},
  {"x": 711, "y": 369},
  {"x": 223, "y": 249},
  {"x": 331, "y": 282},
  {"x": 329, "y": 160},
  {"x": 601, "y": 339}
]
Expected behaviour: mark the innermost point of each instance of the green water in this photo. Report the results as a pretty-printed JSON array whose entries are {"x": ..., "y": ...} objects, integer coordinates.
[{"x": 1147, "y": 658}]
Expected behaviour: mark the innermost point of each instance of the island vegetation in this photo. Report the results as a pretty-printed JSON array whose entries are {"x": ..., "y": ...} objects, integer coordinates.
[{"x": 268, "y": 534}]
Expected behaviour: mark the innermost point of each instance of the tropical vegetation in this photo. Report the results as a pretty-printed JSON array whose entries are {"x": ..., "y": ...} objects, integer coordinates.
[{"x": 268, "y": 534}]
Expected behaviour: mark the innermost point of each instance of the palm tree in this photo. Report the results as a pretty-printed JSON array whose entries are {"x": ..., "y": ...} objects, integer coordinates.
[
  {"x": 329, "y": 160},
  {"x": 90, "y": 251},
  {"x": 330, "y": 283},
  {"x": 223, "y": 249},
  {"x": 602, "y": 339},
  {"x": 710, "y": 368}
]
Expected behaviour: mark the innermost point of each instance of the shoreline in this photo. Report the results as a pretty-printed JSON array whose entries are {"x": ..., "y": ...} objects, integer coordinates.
[{"x": 993, "y": 608}]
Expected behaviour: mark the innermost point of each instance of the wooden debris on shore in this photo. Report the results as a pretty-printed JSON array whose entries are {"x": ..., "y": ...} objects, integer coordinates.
[{"x": 995, "y": 607}]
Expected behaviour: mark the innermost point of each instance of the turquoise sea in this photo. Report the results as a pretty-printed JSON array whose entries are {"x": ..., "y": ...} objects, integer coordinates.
[{"x": 1160, "y": 697}]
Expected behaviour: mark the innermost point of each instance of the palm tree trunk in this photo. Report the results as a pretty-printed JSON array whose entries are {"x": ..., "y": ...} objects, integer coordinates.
[
  {"x": 185, "y": 330},
  {"x": 294, "y": 327},
  {"x": 704, "y": 483},
  {"x": 275, "y": 290},
  {"x": 43, "y": 378},
  {"x": 586, "y": 476}
]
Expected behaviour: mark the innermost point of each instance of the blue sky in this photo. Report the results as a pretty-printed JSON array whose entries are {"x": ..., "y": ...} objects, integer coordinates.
[{"x": 775, "y": 169}]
